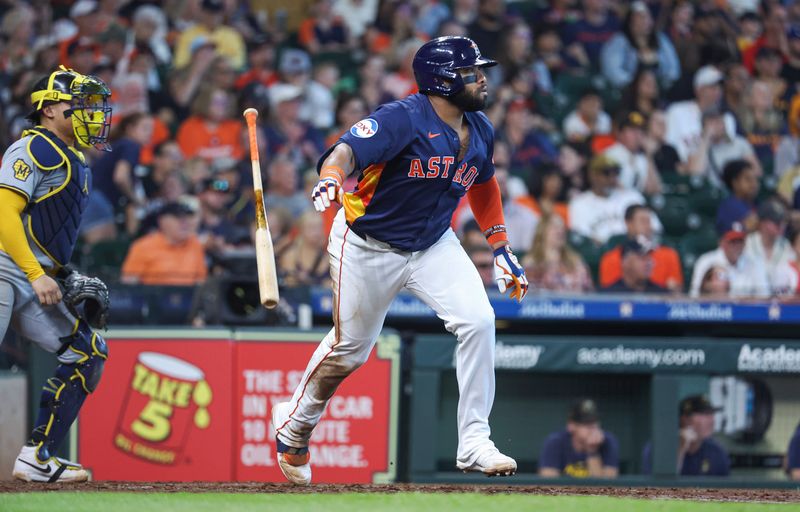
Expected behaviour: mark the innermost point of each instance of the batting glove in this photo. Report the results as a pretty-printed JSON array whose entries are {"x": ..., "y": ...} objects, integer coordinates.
[
  {"x": 509, "y": 273},
  {"x": 325, "y": 191}
]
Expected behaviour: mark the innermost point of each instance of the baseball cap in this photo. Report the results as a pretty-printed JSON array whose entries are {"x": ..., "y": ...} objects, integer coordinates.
[
  {"x": 707, "y": 75},
  {"x": 772, "y": 210},
  {"x": 294, "y": 61},
  {"x": 177, "y": 208},
  {"x": 279, "y": 93},
  {"x": 602, "y": 163},
  {"x": 793, "y": 32},
  {"x": 632, "y": 119},
  {"x": 82, "y": 8},
  {"x": 213, "y": 5},
  {"x": 696, "y": 404},
  {"x": 584, "y": 412},
  {"x": 732, "y": 230},
  {"x": 639, "y": 245}
]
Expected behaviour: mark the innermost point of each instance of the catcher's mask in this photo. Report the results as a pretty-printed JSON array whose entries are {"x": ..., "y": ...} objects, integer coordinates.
[{"x": 88, "y": 99}]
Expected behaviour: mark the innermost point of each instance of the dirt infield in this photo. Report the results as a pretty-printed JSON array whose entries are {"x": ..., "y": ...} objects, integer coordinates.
[{"x": 738, "y": 495}]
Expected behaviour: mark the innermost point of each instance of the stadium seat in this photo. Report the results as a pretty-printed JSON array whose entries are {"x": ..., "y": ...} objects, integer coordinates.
[
  {"x": 674, "y": 213},
  {"x": 705, "y": 200},
  {"x": 589, "y": 251},
  {"x": 105, "y": 258}
]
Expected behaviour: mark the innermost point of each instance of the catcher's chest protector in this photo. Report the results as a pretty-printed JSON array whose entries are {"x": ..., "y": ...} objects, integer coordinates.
[{"x": 56, "y": 216}]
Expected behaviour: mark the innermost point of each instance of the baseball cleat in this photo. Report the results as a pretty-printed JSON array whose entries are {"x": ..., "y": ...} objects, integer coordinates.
[
  {"x": 492, "y": 463},
  {"x": 294, "y": 462},
  {"x": 29, "y": 468}
]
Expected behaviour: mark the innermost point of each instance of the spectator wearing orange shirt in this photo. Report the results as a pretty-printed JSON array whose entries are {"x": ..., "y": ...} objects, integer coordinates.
[
  {"x": 172, "y": 255},
  {"x": 666, "y": 262},
  {"x": 211, "y": 132}
]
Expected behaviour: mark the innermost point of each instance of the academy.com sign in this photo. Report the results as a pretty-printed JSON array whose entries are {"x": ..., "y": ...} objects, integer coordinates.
[
  {"x": 648, "y": 357},
  {"x": 772, "y": 359}
]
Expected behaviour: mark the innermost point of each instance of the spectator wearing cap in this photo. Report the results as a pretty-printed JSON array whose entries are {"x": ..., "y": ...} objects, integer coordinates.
[
  {"x": 637, "y": 167},
  {"x": 212, "y": 131},
  {"x": 324, "y": 30},
  {"x": 588, "y": 119},
  {"x": 583, "y": 449},
  {"x": 767, "y": 246},
  {"x": 599, "y": 213},
  {"x": 684, "y": 118},
  {"x": 639, "y": 45},
  {"x": 751, "y": 28},
  {"x": 741, "y": 180},
  {"x": 792, "y": 462},
  {"x": 83, "y": 14},
  {"x": 172, "y": 255},
  {"x": 260, "y": 63},
  {"x": 717, "y": 147},
  {"x": 637, "y": 269},
  {"x": 551, "y": 264},
  {"x": 217, "y": 233},
  {"x": 585, "y": 36},
  {"x": 699, "y": 454},
  {"x": 747, "y": 278},
  {"x": 666, "y": 263},
  {"x": 316, "y": 100},
  {"x": 287, "y": 134},
  {"x": 776, "y": 25},
  {"x": 210, "y": 27}
]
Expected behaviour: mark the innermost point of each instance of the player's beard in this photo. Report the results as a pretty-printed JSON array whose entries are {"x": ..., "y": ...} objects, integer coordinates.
[{"x": 468, "y": 102}]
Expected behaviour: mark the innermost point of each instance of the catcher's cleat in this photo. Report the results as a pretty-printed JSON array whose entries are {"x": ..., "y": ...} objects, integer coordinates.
[
  {"x": 29, "y": 468},
  {"x": 492, "y": 463},
  {"x": 294, "y": 462}
]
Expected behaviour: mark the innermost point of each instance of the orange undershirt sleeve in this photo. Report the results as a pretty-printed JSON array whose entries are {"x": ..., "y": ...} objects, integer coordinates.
[{"x": 487, "y": 207}]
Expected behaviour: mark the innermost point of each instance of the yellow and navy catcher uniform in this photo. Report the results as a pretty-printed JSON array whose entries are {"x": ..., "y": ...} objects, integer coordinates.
[{"x": 44, "y": 189}]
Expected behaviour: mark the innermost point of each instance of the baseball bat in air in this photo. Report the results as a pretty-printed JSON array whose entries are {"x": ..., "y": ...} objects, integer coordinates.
[{"x": 265, "y": 255}]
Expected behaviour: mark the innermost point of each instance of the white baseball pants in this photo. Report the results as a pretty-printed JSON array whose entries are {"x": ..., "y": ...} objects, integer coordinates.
[{"x": 367, "y": 275}]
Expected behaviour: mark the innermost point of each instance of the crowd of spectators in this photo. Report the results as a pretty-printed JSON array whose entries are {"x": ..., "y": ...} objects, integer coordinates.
[{"x": 645, "y": 146}]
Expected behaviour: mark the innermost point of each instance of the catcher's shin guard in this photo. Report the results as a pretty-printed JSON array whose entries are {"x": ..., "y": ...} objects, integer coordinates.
[{"x": 82, "y": 356}]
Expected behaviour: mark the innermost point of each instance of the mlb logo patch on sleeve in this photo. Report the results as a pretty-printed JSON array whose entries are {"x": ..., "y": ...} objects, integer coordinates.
[
  {"x": 365, "y": 128},
  {"x": 21, "y": 170}
]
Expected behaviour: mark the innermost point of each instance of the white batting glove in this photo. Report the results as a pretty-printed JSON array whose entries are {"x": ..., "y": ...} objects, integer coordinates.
[
  {"x": 325, "y": 191},
  {"x": 509, "y": 273}
]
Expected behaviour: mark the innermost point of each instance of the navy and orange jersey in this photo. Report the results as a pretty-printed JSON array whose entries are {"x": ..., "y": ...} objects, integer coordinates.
[{"x": 410, "y": 181}]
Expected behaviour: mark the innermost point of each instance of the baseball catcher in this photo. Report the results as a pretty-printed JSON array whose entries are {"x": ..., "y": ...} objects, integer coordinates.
[{"x": 44, "y": 189}]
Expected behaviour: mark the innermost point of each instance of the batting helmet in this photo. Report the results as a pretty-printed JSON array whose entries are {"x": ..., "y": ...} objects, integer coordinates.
[
  {"x": 88, "y": 97},
  {"x": 437, "y": 61}
]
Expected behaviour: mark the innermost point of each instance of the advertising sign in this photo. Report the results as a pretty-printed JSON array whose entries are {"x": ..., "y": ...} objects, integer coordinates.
[
  {"x": 162, "y": 412},
  {"x": 353, "y": 442}
]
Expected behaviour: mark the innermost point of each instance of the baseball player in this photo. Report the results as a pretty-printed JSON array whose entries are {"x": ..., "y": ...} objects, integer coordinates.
[
  {"x": 417, "y": 158},
  {"x": 44, "y": 188}
]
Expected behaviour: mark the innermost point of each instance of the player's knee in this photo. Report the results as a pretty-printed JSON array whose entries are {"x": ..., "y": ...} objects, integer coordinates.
[
  {"x": 480, "y": 323},
  {"x": 86, "y": 352}
]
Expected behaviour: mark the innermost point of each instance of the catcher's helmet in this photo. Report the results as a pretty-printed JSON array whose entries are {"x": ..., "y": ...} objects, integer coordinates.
[
  {"x": 436, "y": 62},
  {"x": 88, "y": 97}
]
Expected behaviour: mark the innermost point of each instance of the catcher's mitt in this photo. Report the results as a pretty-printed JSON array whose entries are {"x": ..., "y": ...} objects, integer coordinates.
[{"x": 92, "y": 292}]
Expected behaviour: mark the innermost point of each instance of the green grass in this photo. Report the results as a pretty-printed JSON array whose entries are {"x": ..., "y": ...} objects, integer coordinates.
[{"x": 461, "y": 502}]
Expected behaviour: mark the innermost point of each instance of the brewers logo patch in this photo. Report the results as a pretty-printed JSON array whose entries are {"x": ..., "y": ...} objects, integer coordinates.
[{"x": 21, "y": 170}]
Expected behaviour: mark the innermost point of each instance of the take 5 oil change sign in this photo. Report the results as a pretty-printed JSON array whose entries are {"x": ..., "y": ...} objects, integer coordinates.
[{"x": 162, "y": 412}]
